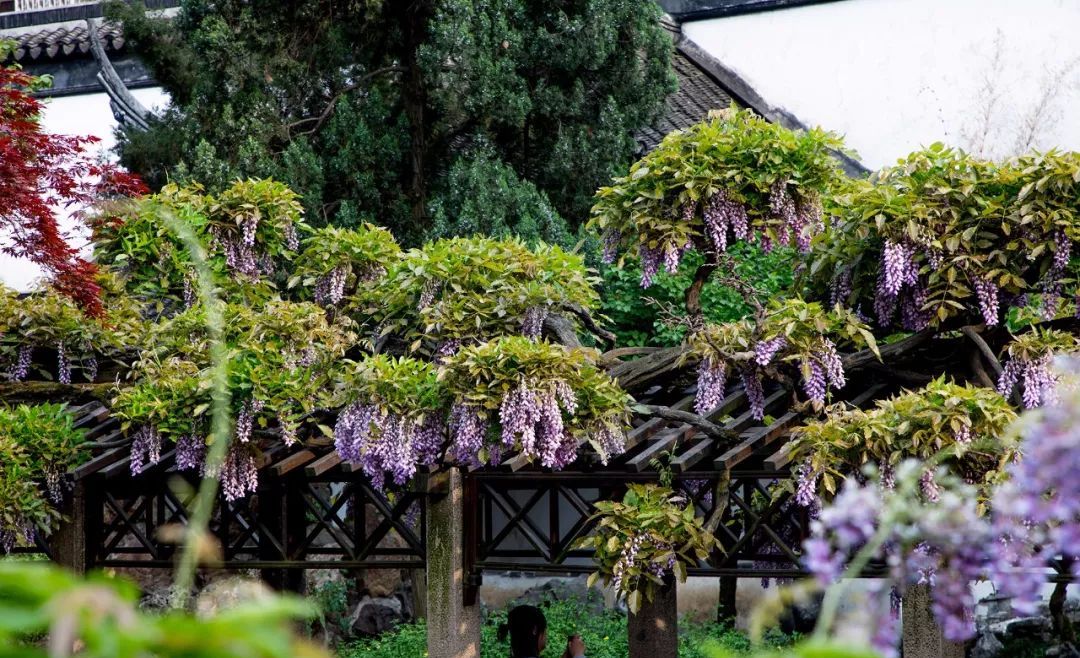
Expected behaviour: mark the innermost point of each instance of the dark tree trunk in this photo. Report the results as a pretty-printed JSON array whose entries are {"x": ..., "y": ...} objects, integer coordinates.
[
  {"x": 413, "y": 19},
  {"x": 1062, "y": 626}
]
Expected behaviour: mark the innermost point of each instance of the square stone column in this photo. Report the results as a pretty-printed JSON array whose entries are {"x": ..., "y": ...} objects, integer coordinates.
[
  {"x": 922, "y": 636},
  {"x": 654, "y": 631},
  {"x": 453, "y": 629}
]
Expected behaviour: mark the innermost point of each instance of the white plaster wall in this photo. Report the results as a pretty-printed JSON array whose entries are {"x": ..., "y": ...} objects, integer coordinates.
[
  {"x": 894, "y": 75},
  {"x": 75, "y": 115}
]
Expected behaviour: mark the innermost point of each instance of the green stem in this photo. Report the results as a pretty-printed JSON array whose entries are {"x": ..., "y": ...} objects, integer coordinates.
[{"x": 221, "y": 421}]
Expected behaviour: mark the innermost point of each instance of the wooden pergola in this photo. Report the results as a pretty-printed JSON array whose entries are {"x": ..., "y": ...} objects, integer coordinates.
[{"x": 313, "y": 511}]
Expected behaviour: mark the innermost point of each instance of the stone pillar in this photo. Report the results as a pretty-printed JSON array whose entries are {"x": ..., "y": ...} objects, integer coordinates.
[
  {"x": 922, "y": 637},
  {"x": 453, "y": 629},
  {"x": 654, "y": 631}
]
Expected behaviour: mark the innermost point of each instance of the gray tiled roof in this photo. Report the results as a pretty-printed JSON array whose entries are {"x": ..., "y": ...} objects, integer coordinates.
[
  {"x": 697, "y": 94},
  {"x": 63, "y": 41}
]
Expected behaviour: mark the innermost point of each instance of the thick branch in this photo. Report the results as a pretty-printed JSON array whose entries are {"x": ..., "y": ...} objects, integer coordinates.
[
  {"x": 720, "y": 500},
  {"x": 702, "y": 424},
  {"x": 900, "y": 375},
  {"x": 991, "y": 358},
  {"x": 864, "y": 358},
  {"x": 54, "y": 391},
  {"x": 979, "y": 371},
  {"x": 589, "y": 323},
  {"x": 693, "y": 293},
  {"x": 614, "y": 357},
  {"x": 562, "y": 329},
  {"x": 643, "y": 372}
]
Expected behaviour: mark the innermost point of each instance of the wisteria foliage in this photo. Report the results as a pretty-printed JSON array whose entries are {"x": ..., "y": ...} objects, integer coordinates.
[
  {"x": 393, "y": 419},
  {"x": 38, "y": 444},
  {"x": 280, "y": 367},
  {"x": 966, "y": 426},
  {"x": 649, "y": 537},
  {"x": 473, "y": 289},
  {"x": 734, "y": 177},
  {"x": 47, "y": 322},
  {"x": 333, "y": 261},
  {"x": 251, "y": 231},
  {"x": 944, "y": 235},
  {"x": 790, "y": 334},
  {"x": 1029, "y": 365},
  {"x": 516, "y": 395}
]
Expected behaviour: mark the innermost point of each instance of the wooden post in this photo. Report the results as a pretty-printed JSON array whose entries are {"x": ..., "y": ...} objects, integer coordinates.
[
  {"x": 272, "y": 514},
  {"x": 453, "y": 628},
  {"x": 295, "y": 534},
  {"x": 922, "y": 637},
  {"x": 69, "y": 540},
  {"x": 654, "y": 631},
  {"x": 726, "y": 611}
]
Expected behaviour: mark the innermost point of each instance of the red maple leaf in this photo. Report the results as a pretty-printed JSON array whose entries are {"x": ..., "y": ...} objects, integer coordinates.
[{"x": 42, "y": 174}]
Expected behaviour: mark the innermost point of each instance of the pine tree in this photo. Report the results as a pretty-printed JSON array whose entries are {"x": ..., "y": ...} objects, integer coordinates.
[{"x": 372, "y": 108}]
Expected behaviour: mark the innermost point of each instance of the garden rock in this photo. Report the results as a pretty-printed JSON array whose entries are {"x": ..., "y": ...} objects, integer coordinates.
[
  {"x": 375, "y": 616},
  {"x": 564, "y": 590},
  {"x": 381, "y": 583},
  {"x": 987, "y": 646},
  {"x": 801, "y": 617},
  {"x": 228, "y": 593}
]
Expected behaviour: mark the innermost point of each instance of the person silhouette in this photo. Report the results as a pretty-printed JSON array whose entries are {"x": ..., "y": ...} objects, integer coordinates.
[{"x": 526, "y": 627}]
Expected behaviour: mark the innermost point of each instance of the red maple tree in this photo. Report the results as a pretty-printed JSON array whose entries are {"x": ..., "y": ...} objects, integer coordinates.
[{"x": 42, "y": 174}]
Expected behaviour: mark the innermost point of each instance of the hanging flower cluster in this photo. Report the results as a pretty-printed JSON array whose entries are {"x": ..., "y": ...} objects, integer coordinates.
[
  {"x": 946, "y": 544},
  {"x": 38, "y": 444},
  {"x": 648, "y": 537},
  {"x": 279, "y": 369},
  {"x": 54, "y": 323},
  {"x": 1030, "y": 365},
  {"x": 735, "y": 177},
  {"x": 471, "y": 290},
  {"x": 1034, "y": 520},
  {"x": 943, "y": 234},
  {"x": 1037, "y": 511},
  {"x": 942, "y": 417},
  {"x": 518, "y": 396},
  {"x": 394, "y": 421},
  {"x": 251, "y": 230},
  {"x": 335, "y": 261},
  {"x": 791, "y": 333}
]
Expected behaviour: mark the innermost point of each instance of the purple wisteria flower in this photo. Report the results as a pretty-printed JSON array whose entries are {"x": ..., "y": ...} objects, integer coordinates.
[
  {"x": 1037, "y": 376},
  {"x": 330, "y": 288},
  {"x": 712, "y": 378},
  {"x": 22, "y": 363},
  {"x": 145, "y": 448},
  {"x": 765, "y": 351}
]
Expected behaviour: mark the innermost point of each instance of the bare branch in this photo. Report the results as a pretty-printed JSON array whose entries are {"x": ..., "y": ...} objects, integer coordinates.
[
  {"x": 322, "y": 118},
  {"x": 702, "y": 424},
  {"x": 590, "y": 323}
]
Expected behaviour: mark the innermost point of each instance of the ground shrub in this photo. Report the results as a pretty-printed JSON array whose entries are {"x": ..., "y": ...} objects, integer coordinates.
[{"x": 604, "y": 635}]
